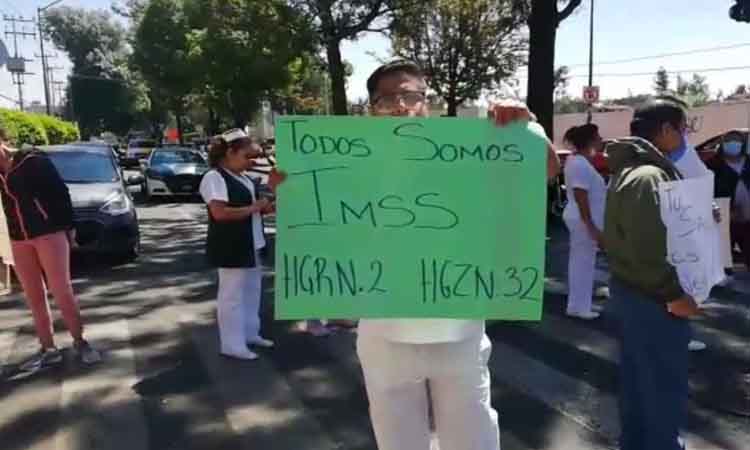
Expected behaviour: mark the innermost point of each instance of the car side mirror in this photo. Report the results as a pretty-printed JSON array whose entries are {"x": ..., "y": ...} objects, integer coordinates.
[{"x": 135, "y": 180}]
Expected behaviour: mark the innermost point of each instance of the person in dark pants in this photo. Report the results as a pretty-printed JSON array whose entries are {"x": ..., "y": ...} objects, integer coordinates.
[
  {"x": 731, "y": 168},
  {"x": 647, "y": 296}
]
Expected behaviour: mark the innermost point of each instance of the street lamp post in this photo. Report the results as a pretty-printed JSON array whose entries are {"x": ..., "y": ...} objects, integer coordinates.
[{"x": 39, "y": 12}]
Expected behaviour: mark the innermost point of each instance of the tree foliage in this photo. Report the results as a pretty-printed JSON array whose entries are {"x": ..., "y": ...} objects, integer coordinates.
[
  {"x": 465, "y": 46},
  {"x": 661, "y": 82},
  {"x": 244, "y": 56},
  {"x": 335, "y": 21},
  {"x": 99, "y": 91}
]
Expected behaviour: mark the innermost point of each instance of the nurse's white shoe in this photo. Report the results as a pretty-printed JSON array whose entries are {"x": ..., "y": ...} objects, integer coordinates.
[
  {"x": 583, "y": 315},
  {"x": 246, "y": 355},
  {"x": 696, "y": 346},
  {"x": 597, "y": 308},
  {"x": 260, "y": 342}
]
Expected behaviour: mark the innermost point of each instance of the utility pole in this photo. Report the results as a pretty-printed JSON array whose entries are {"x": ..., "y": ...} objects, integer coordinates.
[
  {"x": 51, "y": 77},
  {"x": 17, "y": 64},
  {"x": 39, "y": 22}
]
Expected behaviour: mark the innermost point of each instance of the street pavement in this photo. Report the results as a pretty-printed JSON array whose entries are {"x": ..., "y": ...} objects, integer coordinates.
[{"x": 163, "y": 385}]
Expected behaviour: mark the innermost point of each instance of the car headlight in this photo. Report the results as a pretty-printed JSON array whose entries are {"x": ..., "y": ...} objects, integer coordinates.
[{"x": 117, "y": 204}]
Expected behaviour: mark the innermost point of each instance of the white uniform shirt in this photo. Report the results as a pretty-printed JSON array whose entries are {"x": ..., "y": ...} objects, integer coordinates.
[
  {"x": 213, "y": 187},
  {"x": 581, "y": 174}
]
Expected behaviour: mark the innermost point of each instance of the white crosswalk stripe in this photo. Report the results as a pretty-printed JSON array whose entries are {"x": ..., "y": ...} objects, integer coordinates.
[{"x": 100, "y": 409}]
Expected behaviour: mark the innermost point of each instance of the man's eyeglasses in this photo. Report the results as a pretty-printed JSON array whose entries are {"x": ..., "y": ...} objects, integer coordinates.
[{"x": 394, "y": 101}]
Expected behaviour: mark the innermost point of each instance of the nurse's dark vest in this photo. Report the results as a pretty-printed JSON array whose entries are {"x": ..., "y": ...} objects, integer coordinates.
[{"x": 231, "y": 244}]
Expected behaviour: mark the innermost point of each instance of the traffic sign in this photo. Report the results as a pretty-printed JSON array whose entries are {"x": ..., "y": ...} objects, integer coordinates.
[{"x": 591, "y": 94}]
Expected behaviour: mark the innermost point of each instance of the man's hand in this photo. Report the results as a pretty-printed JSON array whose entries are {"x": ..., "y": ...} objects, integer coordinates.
[
  {"x": 683, "y": 308},
  {"x": 597, "y": 236},
  {"x": 72, "y": 238},
  {"x": 509, "y": 111},
  {"x": 275, "y": 178},
  {"x": 717, "y": 213},
  {"x": 260, "y": 206}
]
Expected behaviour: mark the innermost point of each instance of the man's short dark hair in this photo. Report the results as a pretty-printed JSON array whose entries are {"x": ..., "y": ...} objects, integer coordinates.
[
  {"x": 648, "y": 119},
  {"x": 401, "y": 65}
]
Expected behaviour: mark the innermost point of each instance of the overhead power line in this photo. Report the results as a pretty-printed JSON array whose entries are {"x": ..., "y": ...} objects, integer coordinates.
[
  {"x": 665, "y": 55},
  {"x": 678, "y": 72}
]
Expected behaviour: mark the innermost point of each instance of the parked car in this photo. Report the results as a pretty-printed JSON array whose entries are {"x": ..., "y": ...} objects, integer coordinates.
[
  {"x": 138, "y": 150},
  {"x": 104, "y": 215},
  {"x": 173, "y": 171}
]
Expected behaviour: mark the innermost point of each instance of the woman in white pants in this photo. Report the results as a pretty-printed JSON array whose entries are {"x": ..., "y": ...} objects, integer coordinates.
[
  {"x": 584, "y": 217},
  {"x": 235, "y": 235}
]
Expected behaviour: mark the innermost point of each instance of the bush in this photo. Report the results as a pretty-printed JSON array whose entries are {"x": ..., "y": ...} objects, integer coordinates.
[
  {"x": 58, "y": 131},
  {"x": 37, "y": 129}
]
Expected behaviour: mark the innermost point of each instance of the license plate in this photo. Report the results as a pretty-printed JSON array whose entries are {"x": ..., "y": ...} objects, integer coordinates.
[{"x": 187, "y": 188}]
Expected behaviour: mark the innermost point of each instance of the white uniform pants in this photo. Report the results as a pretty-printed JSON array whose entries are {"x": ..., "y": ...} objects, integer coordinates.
[
  {"x": 581, "y": 266},
  {"x": 238, "y": 308},
  {"x": 395, "y": 376}
]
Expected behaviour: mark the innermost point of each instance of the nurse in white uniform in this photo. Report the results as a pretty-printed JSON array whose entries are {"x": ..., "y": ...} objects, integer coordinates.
[
  {"x": 584, "y": 218},
  {"x": 235, "y": 235}
]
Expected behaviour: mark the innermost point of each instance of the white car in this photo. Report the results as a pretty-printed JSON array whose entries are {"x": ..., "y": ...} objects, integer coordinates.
[{"x": 173, "y": 171}]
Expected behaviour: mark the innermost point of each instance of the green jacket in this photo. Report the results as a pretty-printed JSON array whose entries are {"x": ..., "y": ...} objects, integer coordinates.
[{"x": 634, "y": 234}]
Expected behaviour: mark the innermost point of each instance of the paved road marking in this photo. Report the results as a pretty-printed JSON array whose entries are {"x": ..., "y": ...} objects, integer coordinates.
[{"x": 99, "y": 407}]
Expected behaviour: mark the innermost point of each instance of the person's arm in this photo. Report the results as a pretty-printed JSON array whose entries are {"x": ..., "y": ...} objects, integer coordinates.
[
  {"x": 53, "y": 191},
  {"x": 507, "y": 112},
  {"x": 222, "y": 212}
]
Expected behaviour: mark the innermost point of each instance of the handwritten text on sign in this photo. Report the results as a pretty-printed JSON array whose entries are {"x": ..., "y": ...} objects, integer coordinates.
[
  {"x": 693, "y": 239},
  {"x": 397, "y": 217}
]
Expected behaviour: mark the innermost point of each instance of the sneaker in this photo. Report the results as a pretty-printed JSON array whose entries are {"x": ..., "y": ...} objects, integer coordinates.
[
  {"x": 584, "y": 315},
  {"x": 260, "y": 342},
  {"x": 44, "y": 358},
  {"x": 696, "y": 346},
  {"x": 245, "y": 356},
  {"x": 87, "y": 354},
  {"x": 597, "y": 308}
]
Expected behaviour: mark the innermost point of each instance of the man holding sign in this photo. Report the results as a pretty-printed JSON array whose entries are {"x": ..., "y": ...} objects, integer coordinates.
[{"x": 435, "y": 263}]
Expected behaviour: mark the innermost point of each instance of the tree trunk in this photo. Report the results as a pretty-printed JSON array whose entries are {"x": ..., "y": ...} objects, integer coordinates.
[
  {"x": 541, "y": 87},
  {"x": 178, "y": 118},
  {"x": 452, "y": 107},
  {"x": 338, "y": 78}
]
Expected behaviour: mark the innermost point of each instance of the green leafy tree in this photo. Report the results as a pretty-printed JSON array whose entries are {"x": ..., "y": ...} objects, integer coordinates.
[
  {"x": 465, "y": 46},
  {"x": 161, "y": 53},
  {"x": 544, "y": 18},
  {"x": 562, "y": 79},
  {"x": 336, "y": 21},
  {"x": 661, "y": 82},
  {"x": 100, "y": 96},
  {"x": 244, "y": 49}
]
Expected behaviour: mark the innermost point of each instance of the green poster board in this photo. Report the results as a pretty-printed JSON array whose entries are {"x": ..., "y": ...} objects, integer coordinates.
[{"x": 409, "y": 217}]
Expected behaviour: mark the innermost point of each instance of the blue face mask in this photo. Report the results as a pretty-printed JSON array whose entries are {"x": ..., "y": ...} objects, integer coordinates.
[
  {"x": 732, "y": 148},
  {"x": 681, "y": 150}
]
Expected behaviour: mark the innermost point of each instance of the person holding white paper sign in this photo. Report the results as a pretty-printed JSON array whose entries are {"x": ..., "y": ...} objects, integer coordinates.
[
  {"x": 584, "y": 217},
  {"x": 651, "y": 304}
]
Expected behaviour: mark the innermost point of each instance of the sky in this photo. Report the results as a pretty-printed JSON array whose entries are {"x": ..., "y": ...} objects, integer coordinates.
[{"x": 624, "y": 29}]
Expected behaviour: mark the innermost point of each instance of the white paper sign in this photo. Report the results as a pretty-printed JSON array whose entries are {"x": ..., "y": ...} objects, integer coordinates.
[
  {"x": 693, "y": 237},
  {"x": 6, "y": 253}
]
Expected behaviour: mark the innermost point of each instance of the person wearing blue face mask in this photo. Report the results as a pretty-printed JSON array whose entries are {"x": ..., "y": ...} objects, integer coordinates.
[{"x": 732, "y": 179}]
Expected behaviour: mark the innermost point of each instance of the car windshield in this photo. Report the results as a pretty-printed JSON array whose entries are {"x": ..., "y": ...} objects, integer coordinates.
[
  {"x": 84, "y": 167},
  {"x": 142, "y": 144},
  {"x": 176, "y": 158}
]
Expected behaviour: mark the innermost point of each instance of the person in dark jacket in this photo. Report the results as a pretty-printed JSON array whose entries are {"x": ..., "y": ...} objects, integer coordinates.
[
  {"x": 39, "y": 215},
  {"x": 235, "y": 236},
  {"x": 651, "y": 304},
  {"x": 731, "y": 168}
]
